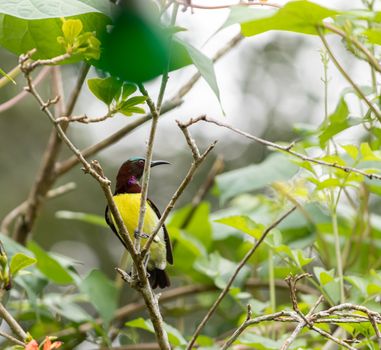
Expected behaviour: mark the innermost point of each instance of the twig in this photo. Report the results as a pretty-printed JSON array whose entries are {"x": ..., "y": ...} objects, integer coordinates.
[
  {"x": 347, "y": 77},
  {"x": 16, "y": 99},
  {"x": 12, "y": 339},
  {"x": 233, "y": 277},
  {"x": 287, "y": 149},
  {"x": 84, "y": 119},
  {"x": 12, "y": 323},
  {"x": 155, "y": 111},
  {"x": 176, "y": 293},
  {"x": 371, "y": 59},
  {"x": 147, "y": 165},
  {"x": 66, "y": 165},
  {"x": 197, "y": 160},
  {"x": 277, "y": 316}
]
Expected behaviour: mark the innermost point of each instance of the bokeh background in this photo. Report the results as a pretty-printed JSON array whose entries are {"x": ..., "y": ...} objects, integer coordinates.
[{"x": 268, "y": 84}]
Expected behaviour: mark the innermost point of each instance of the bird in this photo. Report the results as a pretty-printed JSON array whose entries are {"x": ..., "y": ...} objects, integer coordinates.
[{"x": 127, "y": 197}]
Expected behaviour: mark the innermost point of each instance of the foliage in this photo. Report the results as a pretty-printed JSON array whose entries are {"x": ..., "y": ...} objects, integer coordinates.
[{"x": 334, "y": 234}]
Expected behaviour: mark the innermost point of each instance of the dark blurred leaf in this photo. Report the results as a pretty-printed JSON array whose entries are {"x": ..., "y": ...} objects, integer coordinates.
[
  {"x": 20, "y": 261},
  {"x": 49, "y": 266},
  {"x": 296, "y": 16},
  {"x": 85, "y": 217},
  {"x": 276, "y": 167},
  {"x": 102, "y": 293},
  {"x": 136, "y": 49}
]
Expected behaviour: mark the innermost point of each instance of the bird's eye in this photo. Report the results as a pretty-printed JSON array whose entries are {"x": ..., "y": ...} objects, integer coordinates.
[{"x": 141, "y": 162}]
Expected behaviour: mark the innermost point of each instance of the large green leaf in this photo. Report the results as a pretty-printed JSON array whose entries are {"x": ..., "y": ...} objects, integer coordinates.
[
  {"x": 275, "y": 168},
  {"x": 50, "y": 267},
  {"x": 34, "y": 24},
  {"x": 296, "y": 16},
  {"x": 102, "y": 294}
]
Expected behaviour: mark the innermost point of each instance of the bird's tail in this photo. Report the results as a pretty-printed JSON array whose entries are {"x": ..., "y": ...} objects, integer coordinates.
[{"x": 158, "y": 278}]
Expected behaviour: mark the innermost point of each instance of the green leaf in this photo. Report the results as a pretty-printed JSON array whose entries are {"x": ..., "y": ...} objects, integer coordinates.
[
  {"x": 20, "y": 261},
  {"x": 174, "y": 336},
  {"x": 244, "y": 224},
  {"x": 105, "y": 89},
  {"x": 276, "y": 167},
  {"x": 352, "y": 151},
  {"x": 243, "y": 14},
  {"x": 337, "y": 122},
  {"x": 128, "y": 89},
  {"x": 373, "y": 35},
  {"x": 296, "y": 16},
  {"x": 204, "y": 65},
  {"x": 50, "y": 267},
  {"x": 133, "y": 101},
  {"x": 102, "y": 293},
  {"x": 37, "y": 24},
  {"x": 71, "y": 29},
  {"x": 85, "y": 217},
  {"x": 367, "y": 153}
]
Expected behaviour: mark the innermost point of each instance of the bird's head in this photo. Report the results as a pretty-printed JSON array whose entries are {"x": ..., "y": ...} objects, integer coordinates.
[{"x": 131, "y": 172}]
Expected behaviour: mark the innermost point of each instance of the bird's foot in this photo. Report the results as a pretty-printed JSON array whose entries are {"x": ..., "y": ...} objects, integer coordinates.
[{"x": 140, "y": 235}]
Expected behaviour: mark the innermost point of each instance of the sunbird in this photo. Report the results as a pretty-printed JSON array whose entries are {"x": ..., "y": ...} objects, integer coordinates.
[{"x": 127, "y": 197}]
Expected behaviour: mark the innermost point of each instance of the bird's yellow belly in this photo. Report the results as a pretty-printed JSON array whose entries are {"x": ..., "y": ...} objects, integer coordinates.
[{"x": 129, "y": 206}]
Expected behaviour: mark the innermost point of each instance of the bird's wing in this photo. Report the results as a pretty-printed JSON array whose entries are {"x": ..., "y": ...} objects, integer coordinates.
[
  {"x": 167, "y": 240},
  {"x": 110, "y": 222}
]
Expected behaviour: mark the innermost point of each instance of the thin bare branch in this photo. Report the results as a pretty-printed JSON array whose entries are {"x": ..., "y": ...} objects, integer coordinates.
[
  {"x": 19, "y": 97},
  {"x": 287, "y": 149},
  {"x": 12, "y": 323},
  {"x": 197, "y": 160},
  {"x": 233, "y": 277}
]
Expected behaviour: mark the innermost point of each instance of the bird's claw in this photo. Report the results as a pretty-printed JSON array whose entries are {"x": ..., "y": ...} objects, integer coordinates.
[{"x": 140, "y": 235}]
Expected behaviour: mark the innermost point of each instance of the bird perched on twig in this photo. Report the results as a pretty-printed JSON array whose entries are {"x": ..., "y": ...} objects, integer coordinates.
[{"x": 127, "y": 197}]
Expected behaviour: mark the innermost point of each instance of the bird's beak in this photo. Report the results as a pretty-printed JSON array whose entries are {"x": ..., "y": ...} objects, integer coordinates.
[{"x": 158, "y": 162}]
